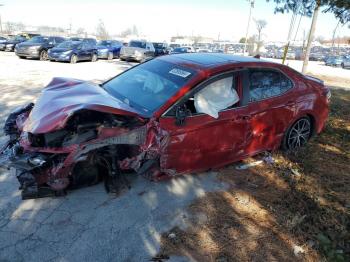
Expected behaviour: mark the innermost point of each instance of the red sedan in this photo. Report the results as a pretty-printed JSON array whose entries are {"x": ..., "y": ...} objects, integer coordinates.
[{"x": 172, "y": 115}]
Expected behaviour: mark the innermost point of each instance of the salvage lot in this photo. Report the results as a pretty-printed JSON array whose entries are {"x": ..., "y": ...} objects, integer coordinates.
[{"x": 267, "y": 212}]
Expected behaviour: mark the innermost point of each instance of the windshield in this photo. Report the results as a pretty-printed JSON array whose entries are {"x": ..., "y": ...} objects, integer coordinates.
[
  {"x": 104, "y": 43},
  {"x": 158, "y": 45},
  {"x": 148, "y": 86},
  {"x": 38, "y": 39},
  {"x": 180, "y": 49},
  {"x": 137, "y": 44},
  {"x": 18, "y": 38},
  {"x": 68, "y": 44}
]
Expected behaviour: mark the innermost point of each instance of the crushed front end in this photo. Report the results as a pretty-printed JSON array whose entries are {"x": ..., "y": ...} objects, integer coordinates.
[{"x": 92, "y": 146}]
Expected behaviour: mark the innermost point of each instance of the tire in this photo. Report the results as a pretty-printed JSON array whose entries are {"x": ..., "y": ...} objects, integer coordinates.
[
  {"x": 22, "y": 57},
  {"x": 121, "y": 59},
  {"x": 43, "y": 55},
  {"x": 110, "y": 56},
  {"x": 94, "y": 57},
  {"x": 298, "y": 134},
  {"x": 73, "y": 59},
  {"x": 342, "y": 65}
]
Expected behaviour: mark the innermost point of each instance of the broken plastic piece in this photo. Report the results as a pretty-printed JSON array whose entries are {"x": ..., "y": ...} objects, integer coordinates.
[{"x": 246, "y": 166}]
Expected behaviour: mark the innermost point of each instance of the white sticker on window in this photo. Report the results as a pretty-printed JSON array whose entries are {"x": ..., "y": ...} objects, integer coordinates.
[{"x": 179, "y": 72}]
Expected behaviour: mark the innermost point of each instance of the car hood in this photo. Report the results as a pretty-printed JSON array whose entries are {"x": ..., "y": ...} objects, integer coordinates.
[
  {"x": 25, "y": 44},
  {"x": 63, "y": 97},
  {"x": 60, "y": 50},
  {"x": 103, "y": 47},
  {"x": 12, "y": 42}
]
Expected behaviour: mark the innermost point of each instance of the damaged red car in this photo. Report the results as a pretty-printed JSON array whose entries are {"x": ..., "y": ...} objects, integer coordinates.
[{"x": 171, "y": 115}]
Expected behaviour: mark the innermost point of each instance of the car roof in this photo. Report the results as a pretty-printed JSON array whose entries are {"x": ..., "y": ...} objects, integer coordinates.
[{"x": 207, "y": 60}]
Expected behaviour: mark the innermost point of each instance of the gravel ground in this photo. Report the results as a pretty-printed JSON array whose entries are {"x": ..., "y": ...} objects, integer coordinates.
[{"x": 88, "y": 224}]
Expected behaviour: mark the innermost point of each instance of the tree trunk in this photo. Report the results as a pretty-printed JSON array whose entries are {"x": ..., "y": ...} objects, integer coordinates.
[{"x": 311, "y": 37}]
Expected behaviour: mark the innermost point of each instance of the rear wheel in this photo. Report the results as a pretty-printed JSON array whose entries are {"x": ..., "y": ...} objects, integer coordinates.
[
  {"x": 110, "y": 56},
  {"x": 43, "y": 55},
  {"x": 93, "y": 58},
  {"x": 342, "y": 65},
  {"x": 298, "y": 134},
  {"x": 73, "y": 59},
  {"x": 22, "y": 57}
]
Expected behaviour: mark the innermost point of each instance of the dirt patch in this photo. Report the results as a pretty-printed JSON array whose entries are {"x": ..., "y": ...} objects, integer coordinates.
[{"x": 297, "y": 208}]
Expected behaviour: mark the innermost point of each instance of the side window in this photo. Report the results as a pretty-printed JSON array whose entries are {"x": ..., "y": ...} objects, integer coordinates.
[
  {"x": 214, "y": 97},
  {"x": 267, "y": 83}
]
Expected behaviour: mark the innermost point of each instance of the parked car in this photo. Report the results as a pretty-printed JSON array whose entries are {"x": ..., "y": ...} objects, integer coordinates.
[
  {"x": 37, "y": 47},
  {"x": 161, "y": 48},
  {"x": 334, "y": 61},
  {"x": 317, "y": 56},
  {"x": 10, "y": 44},
  {"x": 346, "y": 62},
  {"x": 2, "y": 39},
  {"x": 92, "y": 41},
  {"x": 108, "y": 49},
  {"x": 183, "y": 49},
  {"x": 171, "y": 115},
  {"x": 73, "y": 51},
  {"x": 137, "y": 50}
]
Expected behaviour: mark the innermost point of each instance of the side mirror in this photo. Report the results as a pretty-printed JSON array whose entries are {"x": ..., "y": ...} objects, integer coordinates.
[{"x": 181, "y": 113}]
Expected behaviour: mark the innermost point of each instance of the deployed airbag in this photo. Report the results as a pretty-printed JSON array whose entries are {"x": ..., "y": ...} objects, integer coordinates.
[{"x": 216, "y": 97}]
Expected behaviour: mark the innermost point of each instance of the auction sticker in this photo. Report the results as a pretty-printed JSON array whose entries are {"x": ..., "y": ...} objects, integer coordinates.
[{"x": 179, "y": 72}]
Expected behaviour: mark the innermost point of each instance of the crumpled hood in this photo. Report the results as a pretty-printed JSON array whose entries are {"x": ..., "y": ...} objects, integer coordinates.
[{"x": 63, "y": 97}]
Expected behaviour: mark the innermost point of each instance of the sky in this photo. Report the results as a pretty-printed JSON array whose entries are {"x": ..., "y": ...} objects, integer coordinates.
[{"x": 161, "y": 19}]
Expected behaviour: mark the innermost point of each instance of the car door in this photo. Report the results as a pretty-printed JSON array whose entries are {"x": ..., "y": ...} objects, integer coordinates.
[
  {"x": 85, "y": 51},
  {"x": 203, "y": 141},
  {"x": 271, "y": 107}
]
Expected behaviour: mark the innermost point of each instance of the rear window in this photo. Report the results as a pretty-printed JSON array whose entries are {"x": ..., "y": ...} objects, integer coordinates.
[{"x": 137, "y": 44}]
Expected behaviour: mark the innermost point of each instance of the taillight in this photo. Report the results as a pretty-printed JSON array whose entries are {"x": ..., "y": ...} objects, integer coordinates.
[{"x": 327, "y": 93}]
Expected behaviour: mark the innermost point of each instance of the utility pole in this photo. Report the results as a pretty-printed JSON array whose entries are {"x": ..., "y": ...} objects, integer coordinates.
[
  {"x": 1, "y": 21},
  {"x": 311, "y": 36},
  {"x": 247, "y": 32},
  {"x": 333, "y": 38}
]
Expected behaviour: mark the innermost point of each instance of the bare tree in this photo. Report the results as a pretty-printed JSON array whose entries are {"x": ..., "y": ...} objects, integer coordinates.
[
  {"x": 101, "y": 31},
  {"x": 260, "y": 25}
]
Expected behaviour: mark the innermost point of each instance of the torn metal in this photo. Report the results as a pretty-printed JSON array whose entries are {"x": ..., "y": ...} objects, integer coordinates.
[{"x": 85, "y": 146}]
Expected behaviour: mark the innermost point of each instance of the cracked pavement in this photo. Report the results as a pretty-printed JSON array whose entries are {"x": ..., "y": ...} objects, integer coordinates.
[{"x": 90, "y": 225}]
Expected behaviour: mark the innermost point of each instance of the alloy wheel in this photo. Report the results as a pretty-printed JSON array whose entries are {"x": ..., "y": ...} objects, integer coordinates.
[
  {"x": 299, "y": 133},
  {"x": 110, "y": 56},
  {"x": 43, "y": 55},
  {"x": 73, "y": 59}
]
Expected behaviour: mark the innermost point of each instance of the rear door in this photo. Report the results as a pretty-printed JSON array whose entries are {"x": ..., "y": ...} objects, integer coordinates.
[
  {"x": 271, "y": 106},
  {"x": 204, "y": 141}
]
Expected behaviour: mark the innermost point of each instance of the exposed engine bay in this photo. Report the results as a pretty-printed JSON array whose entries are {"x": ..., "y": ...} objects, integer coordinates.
[{"x": 90, "y": 146}]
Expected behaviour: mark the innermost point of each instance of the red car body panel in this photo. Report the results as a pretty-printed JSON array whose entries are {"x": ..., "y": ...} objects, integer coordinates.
[
  {"x": 202, "y": 143},
  {"x": 63, "y": 97}
]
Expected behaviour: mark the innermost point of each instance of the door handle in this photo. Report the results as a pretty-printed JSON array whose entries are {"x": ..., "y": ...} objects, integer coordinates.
[
  {"x": 245, "y": 117},
  {"x": 290, "y": 103}
]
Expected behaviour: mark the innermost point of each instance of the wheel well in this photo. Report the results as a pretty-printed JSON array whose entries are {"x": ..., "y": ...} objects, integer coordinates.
[{"x": 313, "y": 124}]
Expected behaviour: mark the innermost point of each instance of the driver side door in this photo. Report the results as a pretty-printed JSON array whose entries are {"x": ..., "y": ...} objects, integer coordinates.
[{"x": 202, "y": 141}]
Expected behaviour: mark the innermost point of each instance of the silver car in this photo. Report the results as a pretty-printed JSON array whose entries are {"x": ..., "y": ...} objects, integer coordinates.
[{"x": 137, "y": 50}]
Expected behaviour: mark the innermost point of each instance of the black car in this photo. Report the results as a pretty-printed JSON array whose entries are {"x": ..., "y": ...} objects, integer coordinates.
[
  {"x": 37, "y": 47},
  {"x": 10, "y": 44},
  {"x": 161, "y": 49},
  {"x": 73, "y": 51}
]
